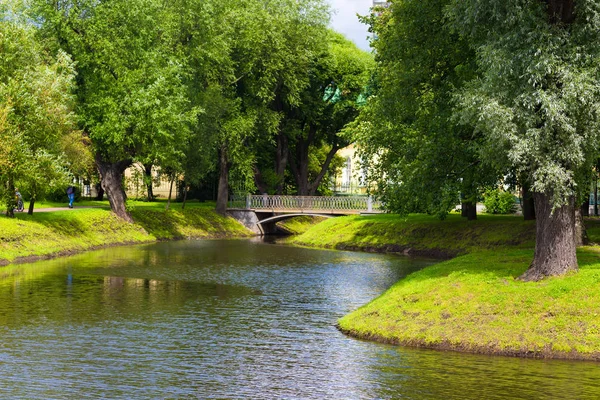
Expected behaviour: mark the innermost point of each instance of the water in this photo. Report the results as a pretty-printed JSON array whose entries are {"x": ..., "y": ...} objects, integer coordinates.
[{"x": 234, "y": 319}]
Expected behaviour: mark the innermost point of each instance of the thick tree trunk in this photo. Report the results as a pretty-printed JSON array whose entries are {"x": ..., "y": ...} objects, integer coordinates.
[
  {"x": 471, "y": 210},
  {"x": 463, "y": 208},
  {"x": 281, "y": 161},
  {"x": 555, "y": 240},
  {"x": 99, "y": 192},
  {"x": 111, "y": 179},
  {"x": 585, "y": 208},
  {"x": 148, "y": 181},
  {"x": 528, "y": 206},
  {"x": 223, "y": 189}
]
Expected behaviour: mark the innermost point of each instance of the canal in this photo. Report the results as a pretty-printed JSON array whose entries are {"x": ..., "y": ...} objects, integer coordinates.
[{"x": 234, "y": 319}]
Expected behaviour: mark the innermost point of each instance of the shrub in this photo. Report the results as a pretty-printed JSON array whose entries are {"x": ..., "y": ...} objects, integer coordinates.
[{"x": 499, "y": 202}]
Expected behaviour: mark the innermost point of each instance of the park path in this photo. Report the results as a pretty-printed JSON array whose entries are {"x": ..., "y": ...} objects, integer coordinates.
[{"x": 65, "y": 208}]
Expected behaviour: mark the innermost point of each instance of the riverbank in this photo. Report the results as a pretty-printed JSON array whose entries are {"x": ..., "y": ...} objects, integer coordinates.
[
  {"x": 473, "y": 302},
  {"x": 45, "y": 235}
]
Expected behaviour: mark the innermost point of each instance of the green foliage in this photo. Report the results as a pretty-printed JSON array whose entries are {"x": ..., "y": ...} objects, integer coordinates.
[
  {"x": 537, "y": 97},
  {"x": 420, "y": 157},
  {"x": 498, "y": 201},
  {"x": 36, "y": 116}
]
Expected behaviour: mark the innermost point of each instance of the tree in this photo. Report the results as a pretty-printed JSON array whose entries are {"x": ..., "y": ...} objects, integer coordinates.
[
  {"x": 422, "y": 159},
  {"x": 130, "y": 91},
  {"x": 36, "y": 117},
  {"x": 337, "y": 82},
  {"x": 536, "y": 101}
]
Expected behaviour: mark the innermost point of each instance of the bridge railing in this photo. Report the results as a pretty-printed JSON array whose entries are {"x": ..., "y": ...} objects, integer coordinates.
[{"x": 324, "y": 203}]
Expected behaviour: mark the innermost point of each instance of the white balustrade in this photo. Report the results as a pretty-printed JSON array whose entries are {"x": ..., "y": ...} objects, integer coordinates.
[{"x": 307, "y": 203}]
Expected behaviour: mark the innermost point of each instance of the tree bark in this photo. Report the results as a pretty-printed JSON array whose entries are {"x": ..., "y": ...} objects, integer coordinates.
[
  {"x": 185, "y": 192},
  {"x": 585, "y": 208},
  {"x": 596, "y": 195},
  {"x": 528, "y": 206},
  {"x": 31, "y": 205},
  {"x": 281, "y": 160},
  {"x": 148, "y": 180},
  {"x": 111, "y": 179},
  {"x": 581, "y": 238},
  {"x": 171, "y": 180},
  {"x": 555, "y": 240},
  {"x": 99, "y": 192},
  {"x": 223, "y": 189},
  {"x": 470, "y": 210}
]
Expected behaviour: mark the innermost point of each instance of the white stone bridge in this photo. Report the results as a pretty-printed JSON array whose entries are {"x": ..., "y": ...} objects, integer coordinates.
[{"x": 261, "y": 212}]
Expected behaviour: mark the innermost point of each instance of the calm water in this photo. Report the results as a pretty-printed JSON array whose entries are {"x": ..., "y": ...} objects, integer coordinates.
[{"x": 233, "y": 319}]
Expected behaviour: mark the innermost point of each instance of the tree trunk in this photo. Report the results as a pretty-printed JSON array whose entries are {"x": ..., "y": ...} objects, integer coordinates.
[
  {"x": 99, "y": 192},
  {"x": 555, "y": 240},
  {"x": 585, "y": 208},
  {"x": 581, "y": 238},
  {"x": 471, "y": 210},
  {"x": 171, "y": 180},
  {"x": 223, "y": 190},
  {"x": 315, "y": 184},
  {"x": 111, "y": 179},
  {"x": 596, "y": 195},
  {"x": 31, "y": 205},
  {"x": 185, "y": 192},
  {"x": 281, "y": 160},
  {"x": 463, "y": 208},
  {"x": 528, "y": 206},
  {"x": 148, "y": 181}
]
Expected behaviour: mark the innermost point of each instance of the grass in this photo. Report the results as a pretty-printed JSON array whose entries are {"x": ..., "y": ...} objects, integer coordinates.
[
  {"x": 299, "y": 225},
  {"x": 473, "y": 302},
  {"x": 420, "y": 234},
  {"x": 48, "y": 234}
]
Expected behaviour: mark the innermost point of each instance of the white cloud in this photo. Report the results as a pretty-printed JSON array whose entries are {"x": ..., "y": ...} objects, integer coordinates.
[{"x": 344, "y": 20}]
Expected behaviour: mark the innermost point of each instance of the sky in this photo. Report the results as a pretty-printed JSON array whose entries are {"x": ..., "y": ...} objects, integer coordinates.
[{"x": 344, "y": 20}]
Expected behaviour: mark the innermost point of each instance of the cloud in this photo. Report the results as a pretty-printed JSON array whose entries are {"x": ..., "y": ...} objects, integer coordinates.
[{"x": 344, "y": 20}]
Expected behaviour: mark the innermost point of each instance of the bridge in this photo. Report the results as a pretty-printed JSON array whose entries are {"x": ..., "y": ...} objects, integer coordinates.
[{"x": 261, "y": 212}]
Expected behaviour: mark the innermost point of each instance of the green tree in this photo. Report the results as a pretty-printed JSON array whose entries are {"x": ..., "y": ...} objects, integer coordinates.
[
  {"x": 36, "y": 118},
  {"x": 421, "y": 158},
  {"x": 130, "y": 91},
  {"x": 536, "y": 101}
]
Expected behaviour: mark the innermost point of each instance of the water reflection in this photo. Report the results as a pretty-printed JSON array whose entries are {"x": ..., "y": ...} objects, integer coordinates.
[{"x": 232, "y": 319}]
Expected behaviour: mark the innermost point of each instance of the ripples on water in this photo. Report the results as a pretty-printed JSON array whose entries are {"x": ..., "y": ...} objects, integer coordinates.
[{"x": 233, "y": 319}]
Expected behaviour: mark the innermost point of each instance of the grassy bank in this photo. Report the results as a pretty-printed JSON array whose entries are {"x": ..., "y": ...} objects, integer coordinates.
[
  {"x": 420, "y": 234},
  {"x": 299, "y": 225},
  {"x": 473, "y": 302},
  {"x": 47, "y": 234}
]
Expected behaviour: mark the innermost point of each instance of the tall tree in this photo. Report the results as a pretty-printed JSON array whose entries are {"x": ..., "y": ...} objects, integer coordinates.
[
  {"x": 421, "y": 157},
  {"x": 337, "y": 83},
  {"x": 36, "y": 114},
  {"x": 536, "y": 101},
  {"x": 130, "y": 91}
]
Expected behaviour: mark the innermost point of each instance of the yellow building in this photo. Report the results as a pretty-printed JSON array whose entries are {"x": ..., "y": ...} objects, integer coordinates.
[{"x": 353, "y": 177}]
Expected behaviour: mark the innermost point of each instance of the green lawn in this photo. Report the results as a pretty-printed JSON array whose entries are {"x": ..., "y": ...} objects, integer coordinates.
[{"x": 62, "y": 232}]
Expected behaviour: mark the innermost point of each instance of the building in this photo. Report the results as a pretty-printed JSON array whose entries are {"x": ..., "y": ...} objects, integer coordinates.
[{"x": 353, "y": 177}]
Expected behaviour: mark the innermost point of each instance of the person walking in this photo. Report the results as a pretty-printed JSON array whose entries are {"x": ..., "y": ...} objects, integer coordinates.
[{"x": 71, "y": 195}]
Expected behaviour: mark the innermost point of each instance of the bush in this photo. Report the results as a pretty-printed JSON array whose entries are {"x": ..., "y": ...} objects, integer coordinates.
[{"x": 499, "y": 202}]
